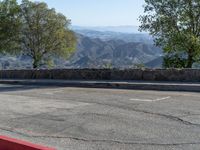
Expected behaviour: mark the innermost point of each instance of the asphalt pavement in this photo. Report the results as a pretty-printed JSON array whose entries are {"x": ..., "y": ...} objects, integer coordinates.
[{"x": 72, "y": 118}]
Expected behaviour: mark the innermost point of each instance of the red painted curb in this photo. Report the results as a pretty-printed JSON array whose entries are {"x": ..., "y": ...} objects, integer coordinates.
[{"x": 7, "y": 143}]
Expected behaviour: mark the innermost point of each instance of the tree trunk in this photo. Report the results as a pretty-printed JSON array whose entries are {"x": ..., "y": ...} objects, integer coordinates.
[
  {"x": 190, "y": 59},
  {"x": 35, "y": 63}
]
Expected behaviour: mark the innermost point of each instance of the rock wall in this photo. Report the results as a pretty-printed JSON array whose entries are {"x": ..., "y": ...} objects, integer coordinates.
[{"x": 190, "y": 75}]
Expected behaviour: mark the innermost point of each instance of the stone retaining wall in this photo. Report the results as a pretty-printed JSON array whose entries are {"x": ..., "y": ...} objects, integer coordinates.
[{"x": 191, "y": 75}]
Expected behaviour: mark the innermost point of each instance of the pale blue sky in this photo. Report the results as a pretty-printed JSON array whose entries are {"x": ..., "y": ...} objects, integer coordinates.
[{"x": 99, "y": 12}]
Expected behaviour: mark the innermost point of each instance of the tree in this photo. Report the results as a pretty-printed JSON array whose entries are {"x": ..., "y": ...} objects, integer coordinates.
[
  {"x": 9, "y": 26},
  {"x": 175, "y": 25},
  {"x": 45, "y": 33},
  {"x": 174, "y": 61}
]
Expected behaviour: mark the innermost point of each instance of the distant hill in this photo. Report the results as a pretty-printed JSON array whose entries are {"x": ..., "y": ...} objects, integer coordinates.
[
  {"x": 121, "y": 29},
  {"x": 108, "y": 35},
  {"x": 101, "y": 49},
  {"x": 113, "y": 47},
  {"x": 95, "y": 52},
  {"x": 156, "y": 63}
]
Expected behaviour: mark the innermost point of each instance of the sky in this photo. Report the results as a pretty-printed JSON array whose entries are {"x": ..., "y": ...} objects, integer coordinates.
[{"x": 99, "y": 12}]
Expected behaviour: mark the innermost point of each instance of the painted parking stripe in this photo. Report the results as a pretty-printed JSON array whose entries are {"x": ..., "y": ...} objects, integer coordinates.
[{"x": 150, "y": 100}]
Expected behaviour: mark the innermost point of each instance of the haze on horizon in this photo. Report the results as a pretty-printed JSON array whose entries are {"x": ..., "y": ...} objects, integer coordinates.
[{"x": 99, "y": 12}]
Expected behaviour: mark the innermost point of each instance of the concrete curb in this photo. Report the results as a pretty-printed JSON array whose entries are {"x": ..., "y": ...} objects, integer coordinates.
[
  {"x": 8, "y": 143},
  {"x": 134, "y": 85}
]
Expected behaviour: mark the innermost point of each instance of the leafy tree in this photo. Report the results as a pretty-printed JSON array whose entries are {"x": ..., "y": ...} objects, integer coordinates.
[
  {"x": 45, "y": 33},
  {"x": 175, "y": 25},
  {"x": 9, "y": 26},
  {"x": 174, "y": 61}
]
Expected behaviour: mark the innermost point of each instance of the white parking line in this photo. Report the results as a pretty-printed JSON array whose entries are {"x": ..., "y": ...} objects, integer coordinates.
[{"x": 150, "y": 100}]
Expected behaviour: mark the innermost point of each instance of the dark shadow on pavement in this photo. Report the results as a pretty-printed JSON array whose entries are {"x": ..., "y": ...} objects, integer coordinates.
[{"x": 14, "y": 88}]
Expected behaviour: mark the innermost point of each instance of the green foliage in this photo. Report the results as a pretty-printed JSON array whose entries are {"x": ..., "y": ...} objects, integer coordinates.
[
  {"x": 35, "y": 30},
  {"x": 174, "y": 61},
  {"x": 9, "y": 26},
  {"x": 175, "y": 25},
  {"x": 45, "y": 33},
  {"x": 108, "y": 66},
  {"x": 49, "y": 62}
]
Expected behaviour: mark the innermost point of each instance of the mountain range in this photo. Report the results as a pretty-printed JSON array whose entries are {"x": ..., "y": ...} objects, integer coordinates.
[
  {"x": 102, "y": 47},
  {"x": 121, "y": 29}
]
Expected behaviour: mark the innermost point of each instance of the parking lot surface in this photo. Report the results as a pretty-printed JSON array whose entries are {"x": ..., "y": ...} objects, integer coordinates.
[{"x": 100, "y": 119}]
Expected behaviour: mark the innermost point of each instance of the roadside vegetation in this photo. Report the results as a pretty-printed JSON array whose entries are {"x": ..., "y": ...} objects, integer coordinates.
[
  {"x": 32, "y": 29},
  {"x": 175, "y": 25}
]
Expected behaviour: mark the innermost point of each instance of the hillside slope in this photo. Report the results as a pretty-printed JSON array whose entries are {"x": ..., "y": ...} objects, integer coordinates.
[
  {"x": 95, "y": 52},
  {"x": 104, "y": 49}
]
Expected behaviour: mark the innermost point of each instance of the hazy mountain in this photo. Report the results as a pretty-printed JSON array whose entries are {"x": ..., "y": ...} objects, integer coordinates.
[
  {"x": 101, "y": 49},
  {"x": 108, "y": 47},
  {"x": 156, "y": 63},
  {"x": 108, "y": 35},
  {"x": 121, "y": 29},
  {"x": 14, "y": 62},
  {"x": 95, "y": 52}
]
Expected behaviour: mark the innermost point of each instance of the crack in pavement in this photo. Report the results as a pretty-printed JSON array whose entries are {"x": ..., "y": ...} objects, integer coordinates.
[
  {"x": 190, "y": 115},
  {"x": 171, "y": 117},
  {"x": 174, "y": 118},
  {"x": 100, "y": 140},
  {"x": 120, "y": 106}
]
